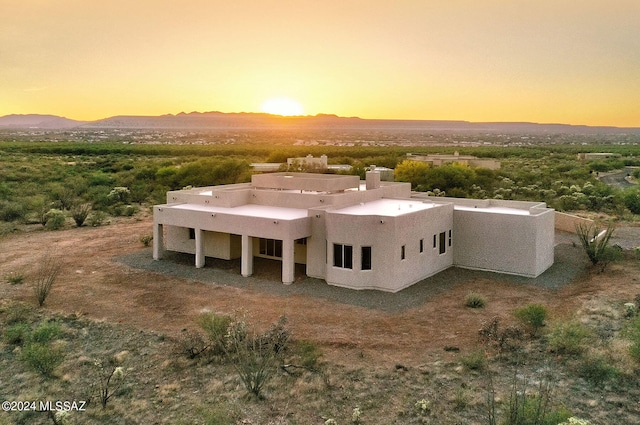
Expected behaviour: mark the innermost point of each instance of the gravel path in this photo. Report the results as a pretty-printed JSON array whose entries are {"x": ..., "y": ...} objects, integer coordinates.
[{"x": 569, "y": 263}]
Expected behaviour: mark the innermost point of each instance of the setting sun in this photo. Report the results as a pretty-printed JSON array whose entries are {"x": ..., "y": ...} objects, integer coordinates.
[{"x": 282, "y": 106}]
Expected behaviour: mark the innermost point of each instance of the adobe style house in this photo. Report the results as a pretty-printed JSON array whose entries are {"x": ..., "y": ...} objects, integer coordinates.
[{"x": 355, "y": 234}]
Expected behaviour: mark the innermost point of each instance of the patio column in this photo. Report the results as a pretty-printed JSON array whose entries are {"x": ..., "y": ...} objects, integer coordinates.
[
  {"x": 246, "y": 262},
  {"x": 158, "y": 241},
  {"x": 288, "y": 261},
  {"x": 199, "y": 248}
]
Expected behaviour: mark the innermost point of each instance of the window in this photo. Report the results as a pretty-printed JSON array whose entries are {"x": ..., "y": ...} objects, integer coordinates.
[
  {"x": 443, "y": 241},
  {"x": 421, "y": 245},
  {"x": 403, "y": 252},
  {"x": 343, "y": 256},
  {"x": 271, "y": 247},
  {"x": 449, "y": 237},
  {"x": 192, "y": 233},
  {"x": 366, "y": 258},
  {"x": 302, "y": 241},
  {"x": 435, "y": 243}
]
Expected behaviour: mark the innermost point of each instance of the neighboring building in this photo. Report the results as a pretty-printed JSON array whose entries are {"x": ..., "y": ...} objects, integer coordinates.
[
  {"x": 356, "y": 234},
  {"x": 437, "y": 160},
  {"x": 311, "y": 164},
  {"x": 307, "y": 163},
  {"x": 598, "y": 155}
]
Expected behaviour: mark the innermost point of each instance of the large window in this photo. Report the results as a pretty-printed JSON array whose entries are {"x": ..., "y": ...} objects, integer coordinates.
[
  {"x": 343, "y": 256},
  {"x": 366, "y": 258},
  {"x": 271, "y": 247},
  {"x": 443, "y": 241}
]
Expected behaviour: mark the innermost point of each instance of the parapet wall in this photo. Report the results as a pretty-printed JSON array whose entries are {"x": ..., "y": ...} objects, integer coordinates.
[{"x": 567, "y": 222}]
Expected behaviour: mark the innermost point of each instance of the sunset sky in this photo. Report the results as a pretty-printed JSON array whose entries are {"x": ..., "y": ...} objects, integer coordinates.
[{"x": 568, "y": 61}]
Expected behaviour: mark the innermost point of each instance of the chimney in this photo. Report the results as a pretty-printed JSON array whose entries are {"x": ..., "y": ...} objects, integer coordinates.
[{"x": 373, "y": 178}]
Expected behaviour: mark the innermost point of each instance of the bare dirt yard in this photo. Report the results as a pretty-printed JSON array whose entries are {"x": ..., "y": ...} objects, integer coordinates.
[{"x": 109, "y": 277}]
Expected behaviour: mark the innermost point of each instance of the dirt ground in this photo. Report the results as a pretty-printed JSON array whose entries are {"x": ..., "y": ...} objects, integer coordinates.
[{"x": 96, "y": 282}]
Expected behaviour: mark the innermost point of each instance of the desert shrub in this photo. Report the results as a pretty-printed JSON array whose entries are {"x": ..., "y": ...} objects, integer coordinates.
[
  {"x": 54, "y": 219},
  {"x": 12, "y": 211},
  {"x": 533, "y": 316},
  {"x": 216, "y": 327},
  {"x": 42, "y": 358},
  {"x": 597, "y": 369},
  {"x": 15, "y": 278},
  {"x": 596, "y": 248},
  {"x": 191, "y": 344},
  {"x": 508, "y": 339},
  {"x": 80, "y": 213},
  {"x": 474, "y": 360},
  {"x": 568, "y": 338},
  {"x": 17, "y": 313},
  {"x": 634, "y": 335},
  {"x": 309, "y": 353},
  {"x": 109, "y": 376},
  {"x": 146, "y": 240},
  {"x": 16, "y": 334},
  {"x": 97, "y": 218},
  {"x": 46, "y": 274},
  {"x": 474, "y": 300},
  {"x": 45, "y": 333},
  {"x": 255, "y": 357},
  {"x": 535, "y": 410}
]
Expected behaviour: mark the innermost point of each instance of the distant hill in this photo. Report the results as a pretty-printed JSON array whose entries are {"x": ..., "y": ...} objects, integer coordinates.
[
  {"x": 261, "y": 121},
  {"x": 50, "y": 122}
]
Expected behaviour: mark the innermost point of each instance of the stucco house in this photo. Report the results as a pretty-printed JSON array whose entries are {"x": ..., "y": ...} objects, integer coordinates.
[{"x": 357, "y": 234}]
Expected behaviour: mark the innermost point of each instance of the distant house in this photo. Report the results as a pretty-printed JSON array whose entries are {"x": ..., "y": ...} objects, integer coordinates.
[
  {"x": 356, "y": 234},
  {"x": 437, "y": 160},
  {"x": 588, "y": 156},
  {"x": 311, "y": 164}
]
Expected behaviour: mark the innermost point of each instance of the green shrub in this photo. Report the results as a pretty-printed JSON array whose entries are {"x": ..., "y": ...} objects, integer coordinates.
[
  {"x": 80, "y": 213},
  {"x": 97, "y": 218},
  {"x": 535, "y": 410},
  {"x": 46, "y": 275},
  {"x": 634, "y": 335},
  {"x": 17, "y": 313},
  {"x": 15, "y": 278},
  {"x": 42, "y": 358},
  {"x": 474, "y": 360},
  {"x": 533, "y": 316},
  {"x": 597, "y": 370},
  {"x": 216, "y": 327},
  {"x": 45, "y": 333},
  {"x": 596, "y": 246},
  {"x": 309, "y": 353},
  {"x": 54, "y": 219},
  {"x": 16, "y": 334},
  {"x": 474, "y": 300},
  {"x": 568, "y": 338},
  {"x": 256, "y": 357},
  {"x": 146, "y": 240},
  {"x": 12, "y": 211}
]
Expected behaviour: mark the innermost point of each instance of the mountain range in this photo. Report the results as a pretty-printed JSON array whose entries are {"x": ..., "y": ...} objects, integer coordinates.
[{"x": 262, "y": 121}]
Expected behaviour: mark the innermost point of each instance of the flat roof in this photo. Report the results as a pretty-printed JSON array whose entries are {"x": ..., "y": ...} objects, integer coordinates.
[
  {"x": 495, "y": 210},
  {"x": 248, "y": 210},
  {"x": 387, "y": 207}
]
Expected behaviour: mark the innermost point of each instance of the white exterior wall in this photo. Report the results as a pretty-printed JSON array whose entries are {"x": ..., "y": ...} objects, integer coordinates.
[
  {"x": 386, "y": 235},
  {"x": 216, "y": 244},
  {"x": 506, "y": 243}
]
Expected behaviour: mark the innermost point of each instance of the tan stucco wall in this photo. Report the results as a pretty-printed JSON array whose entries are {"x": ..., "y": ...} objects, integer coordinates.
[
  {"x": 567, "y": 222},
  {"x": 386, "y": 235},
  {"x": 515, "y": 244}
]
